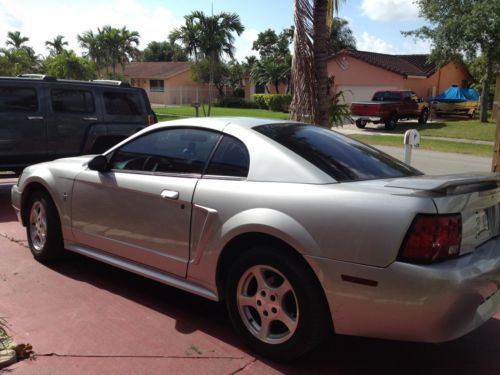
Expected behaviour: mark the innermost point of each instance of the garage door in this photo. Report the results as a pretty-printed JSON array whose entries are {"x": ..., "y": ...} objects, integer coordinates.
[{"x": 355, "y": 93}]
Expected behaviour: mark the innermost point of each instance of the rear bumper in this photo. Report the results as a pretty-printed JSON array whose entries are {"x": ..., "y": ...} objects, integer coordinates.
[
  {"x": 426, "y": 303},
  {"x": 367, "y": 118}
]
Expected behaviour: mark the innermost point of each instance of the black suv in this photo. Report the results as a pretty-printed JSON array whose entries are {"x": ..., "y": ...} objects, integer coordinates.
[{"x": 44, "y": 118}]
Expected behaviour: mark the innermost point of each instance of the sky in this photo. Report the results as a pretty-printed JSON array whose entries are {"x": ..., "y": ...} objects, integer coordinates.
[{"x": 376, "y": 24}]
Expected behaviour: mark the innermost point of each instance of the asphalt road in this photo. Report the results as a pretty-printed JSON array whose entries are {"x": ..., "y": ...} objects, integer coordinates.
[{"x": 85, "y": 317}]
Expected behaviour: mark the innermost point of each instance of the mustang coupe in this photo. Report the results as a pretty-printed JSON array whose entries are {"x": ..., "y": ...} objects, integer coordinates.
[{"x": 299, "y": 230}]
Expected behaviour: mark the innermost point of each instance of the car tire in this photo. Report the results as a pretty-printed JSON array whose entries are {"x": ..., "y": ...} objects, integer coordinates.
[
  {"x": 391, "y": 123},
  {"x": 267, "y": 285},
  {"x": 360, "y": 123},
  {"x": 424, "y": 116},
  {"x": 43, "y": 228}
]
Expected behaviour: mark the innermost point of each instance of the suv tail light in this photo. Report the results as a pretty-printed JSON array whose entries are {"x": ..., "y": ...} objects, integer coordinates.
[
  {"x": 152, "y": 119},
  {"x": 432, "y": 238}
]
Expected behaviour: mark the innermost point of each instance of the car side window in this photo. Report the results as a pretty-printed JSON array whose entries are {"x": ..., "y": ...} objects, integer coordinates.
[
  {"x": 122, "y": 103},
  {"x": 72, "y": 101},
  {"x": 18, "y": 99},
  {"x": 230, "y": 159},
  {"x": 184, "y": 151}
]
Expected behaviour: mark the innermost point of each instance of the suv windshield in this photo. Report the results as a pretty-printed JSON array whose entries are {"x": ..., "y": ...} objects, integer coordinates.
[
  {"x": 386, "y": 96},
  {"x": 342, "y": 158}
]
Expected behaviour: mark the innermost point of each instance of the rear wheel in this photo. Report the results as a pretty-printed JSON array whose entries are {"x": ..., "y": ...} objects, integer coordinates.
[
  {"x": 276, "y": 304},
  {"x": 44, "y": 228},
  {"x": 360, "y": 123},
  {"x": 391, "y": 123}
]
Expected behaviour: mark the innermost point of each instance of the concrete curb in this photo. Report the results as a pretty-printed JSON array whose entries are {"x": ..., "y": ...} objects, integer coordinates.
[{"x": 7, "y": 358}]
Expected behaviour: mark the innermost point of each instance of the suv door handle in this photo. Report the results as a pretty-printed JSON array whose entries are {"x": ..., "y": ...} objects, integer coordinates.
[
  {"x": 169, "y": 194},
  {"x": 34, "y": 117},
  {"x": 90, "y": 119}
]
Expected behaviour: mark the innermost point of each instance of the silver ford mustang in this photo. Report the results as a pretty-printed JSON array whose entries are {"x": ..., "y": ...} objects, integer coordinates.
[{"x": 300, "y": 230}]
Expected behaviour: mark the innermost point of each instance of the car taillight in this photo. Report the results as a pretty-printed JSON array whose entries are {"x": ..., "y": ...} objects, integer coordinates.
[
  {"x": 432, "y": 238},
  {"x": 152, "y": 119}
]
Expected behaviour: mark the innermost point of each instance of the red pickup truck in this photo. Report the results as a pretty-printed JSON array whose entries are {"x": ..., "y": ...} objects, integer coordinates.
[{"x": 388, "y": 107}]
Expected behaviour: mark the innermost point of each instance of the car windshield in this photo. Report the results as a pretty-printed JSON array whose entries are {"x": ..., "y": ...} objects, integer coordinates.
[
  {"x": 342, "y": 158},
  {"x": 386, "y": 96}
]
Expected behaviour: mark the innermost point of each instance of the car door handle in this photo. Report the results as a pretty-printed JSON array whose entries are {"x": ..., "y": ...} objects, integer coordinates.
[
  {"x": 169, "y": 194},
  {"x": 34, "y": 117},
  {"x": 90, "y": 119}
]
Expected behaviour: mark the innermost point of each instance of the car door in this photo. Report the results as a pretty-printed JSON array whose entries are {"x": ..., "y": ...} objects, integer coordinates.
[
  {"x": 72, "y": 111},
  {"x": 141, "y": 209},
  {"x": 23, "y": 137}
]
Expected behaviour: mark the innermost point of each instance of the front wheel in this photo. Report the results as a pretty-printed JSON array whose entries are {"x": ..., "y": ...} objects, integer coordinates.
[
  {"x": 44, "y": 228},
  {"x": 424, "y": 116},
  {"x": 276, "y": 304}
]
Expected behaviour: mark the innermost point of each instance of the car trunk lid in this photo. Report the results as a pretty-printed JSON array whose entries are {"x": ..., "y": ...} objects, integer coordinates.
[{"x": 475, "y": 196}]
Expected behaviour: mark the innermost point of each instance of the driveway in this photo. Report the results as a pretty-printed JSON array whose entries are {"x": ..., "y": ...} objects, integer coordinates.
[{"x": 85, "y": 317}]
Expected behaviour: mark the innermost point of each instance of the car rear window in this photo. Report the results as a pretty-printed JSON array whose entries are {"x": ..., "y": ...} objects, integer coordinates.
[
  {"x": 342, "y": 158},
  {"x": 386, "y": 96},
  {"x": 122, "y": 103},
  {"x": 18, "y": 99}
]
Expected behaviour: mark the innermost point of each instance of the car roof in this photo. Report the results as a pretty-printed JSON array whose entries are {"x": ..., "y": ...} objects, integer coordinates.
[
  {"x": 43, "y": 79},
  {"x": 219, "y": 123}
]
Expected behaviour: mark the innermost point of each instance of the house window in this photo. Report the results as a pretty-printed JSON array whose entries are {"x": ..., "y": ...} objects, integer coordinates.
[{"x": 156, "y": 85}]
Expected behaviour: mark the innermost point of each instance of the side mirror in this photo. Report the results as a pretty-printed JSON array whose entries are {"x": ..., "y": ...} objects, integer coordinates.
[{"x": 99, "y": 163}]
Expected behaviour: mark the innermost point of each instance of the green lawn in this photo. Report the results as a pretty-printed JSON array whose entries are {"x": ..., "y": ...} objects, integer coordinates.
[
  {"x": 188, "y": 111},
  {"x": 428, "y": 144},
  {"x": 466, "y": 129}
]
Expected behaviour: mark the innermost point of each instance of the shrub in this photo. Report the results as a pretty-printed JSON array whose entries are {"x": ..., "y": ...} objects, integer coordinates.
[
  {"x": 274, "y": 102},
  {"x": 235, "y": 102},
  {"x": 260, "y": 101}
]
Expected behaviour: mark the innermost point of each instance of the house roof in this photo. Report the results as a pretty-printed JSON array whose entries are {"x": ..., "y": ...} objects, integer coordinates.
[
  {"x": 407, "y": 65},
  {"x": 162, "y": 69}
]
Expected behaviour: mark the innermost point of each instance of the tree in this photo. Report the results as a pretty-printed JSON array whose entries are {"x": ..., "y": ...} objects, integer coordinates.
[
  {"x": 269, "y": 70},
  {"x": 461, "y": 27},
  {"x": 235, "y": 73},
  {"x": 110, "y": 47},
  {"x": 211, "y": 37},
  {"x": 56, "y": 46},
  {"x": 203, "y": 71},
  {"x": 341, "y": 36},
  {"x": 15, "y": 40},
  {"x": 70, "y": 66},
  {"x": 310, "y": 99},
  {"x": 17, "y": 61},
  {"x": 164, "y": 51}
]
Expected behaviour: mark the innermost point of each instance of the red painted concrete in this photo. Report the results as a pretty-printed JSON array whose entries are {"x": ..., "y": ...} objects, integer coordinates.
[{"x": 106, "y": 321}]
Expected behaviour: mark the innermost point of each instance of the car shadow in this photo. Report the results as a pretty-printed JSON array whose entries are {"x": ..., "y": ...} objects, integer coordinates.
[
  {"x": 478, "y": 352},
  {"x": 402, "y": 127}
]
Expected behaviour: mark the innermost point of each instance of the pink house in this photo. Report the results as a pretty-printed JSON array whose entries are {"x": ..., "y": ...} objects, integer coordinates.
[{"x": 359, "y": 74}]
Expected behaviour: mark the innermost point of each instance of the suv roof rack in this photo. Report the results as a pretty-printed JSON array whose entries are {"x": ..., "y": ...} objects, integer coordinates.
[
  {"x": 111, "y": 82},
  {"x": 42, "y": 77}
]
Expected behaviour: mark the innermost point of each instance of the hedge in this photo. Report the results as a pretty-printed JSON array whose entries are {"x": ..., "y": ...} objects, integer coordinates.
[{"x": 274, "y": 102}]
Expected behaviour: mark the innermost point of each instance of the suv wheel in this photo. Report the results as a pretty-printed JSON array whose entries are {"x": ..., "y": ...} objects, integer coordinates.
[{"x": 391, "y": 123}]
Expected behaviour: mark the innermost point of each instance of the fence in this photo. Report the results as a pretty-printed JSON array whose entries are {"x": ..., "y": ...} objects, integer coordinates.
[{"x": 182, "y": 95}]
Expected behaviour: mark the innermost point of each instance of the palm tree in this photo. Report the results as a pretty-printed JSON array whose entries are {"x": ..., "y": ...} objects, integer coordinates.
[
  {"x": 89, "y": 41},
  {"x": 110, "y": 47},
  {"x": 15, "y": 40},
  {"x": 56, "y": 46},
  {"x": 268, "y": 70},
  {"x": 312, "y": 20},
  {"x": 189, "y": 35}
]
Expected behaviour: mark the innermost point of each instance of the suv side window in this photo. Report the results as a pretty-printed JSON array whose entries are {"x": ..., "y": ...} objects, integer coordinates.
[
  {"x": 72, "y": 101},
  {"x": 18, "y": 99},
  {"x": 230, "y": 159},
  {"x": 179, "y": 151},
  {"x": 407, "y": 96},
  {"x": 122, "y": 103}
]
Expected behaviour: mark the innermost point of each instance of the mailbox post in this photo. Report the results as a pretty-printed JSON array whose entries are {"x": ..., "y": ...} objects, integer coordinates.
[{"x": 411, "y": 140}]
